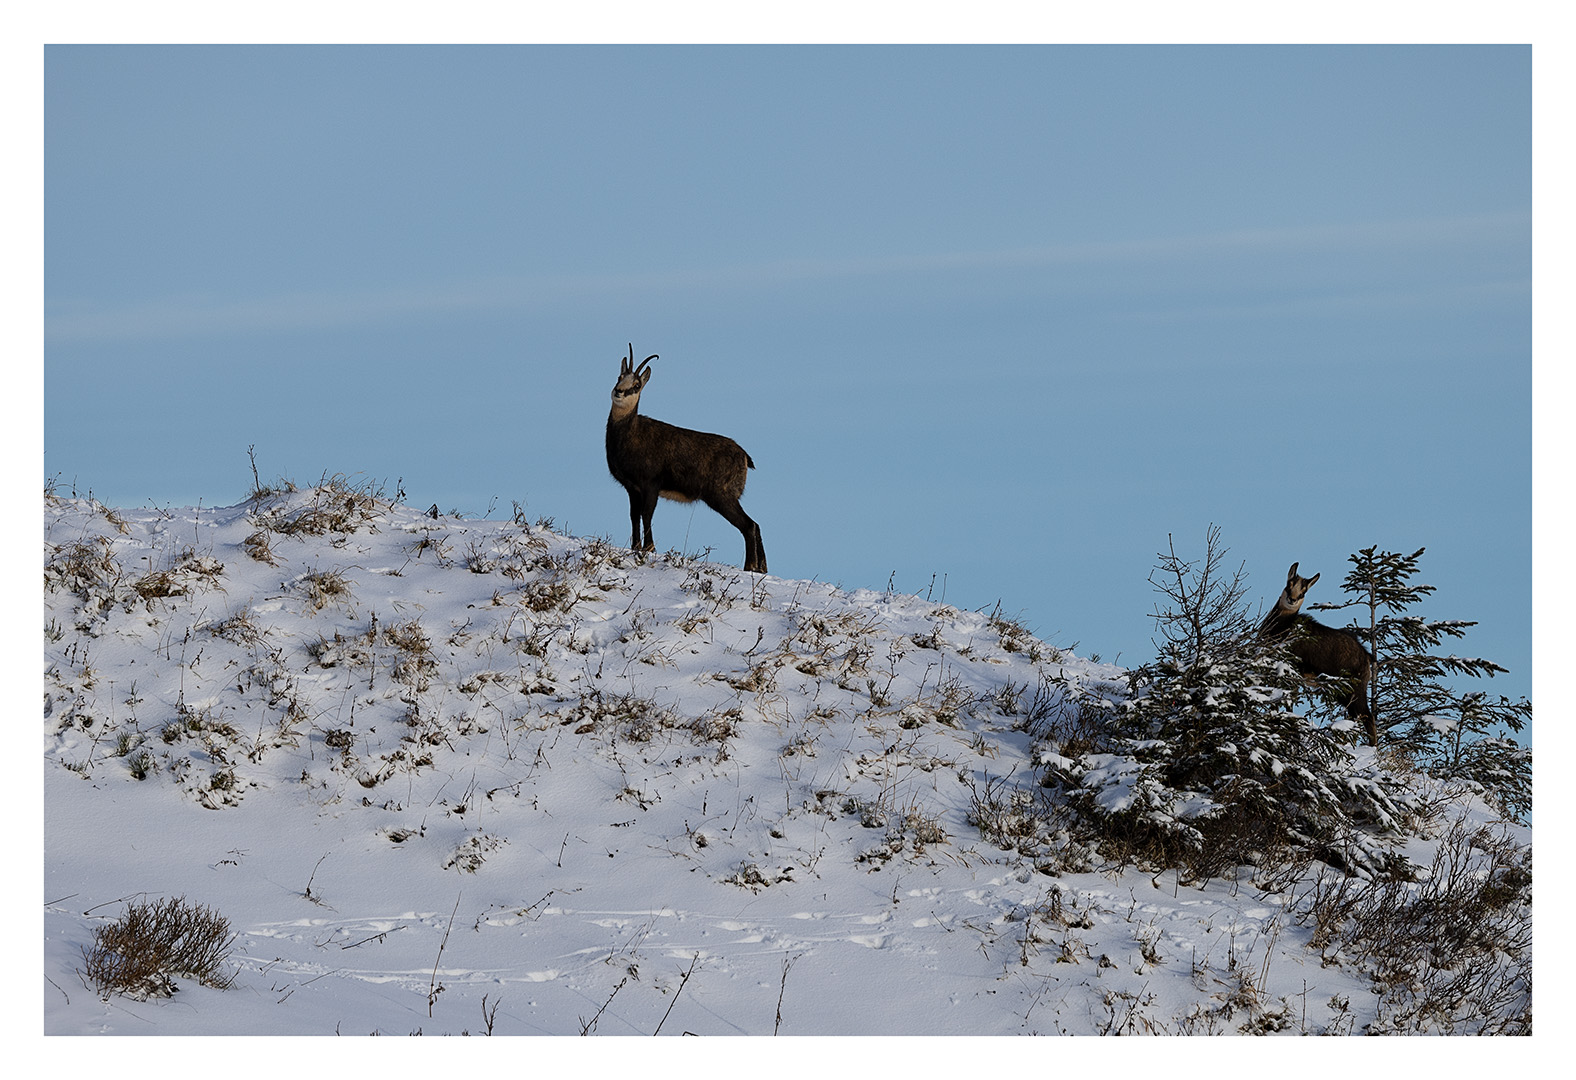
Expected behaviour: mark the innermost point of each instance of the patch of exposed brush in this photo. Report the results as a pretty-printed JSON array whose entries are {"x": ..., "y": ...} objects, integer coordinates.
[
  {"x": 188, "y": 571},
  {"x": 340, "y": 651},
  {"x": 472, "y": 853},
  {"x": 143, "y": 952},
  {"x": 623, "y": 716},
  {"x": 199, "y": 724},
  {"x": 631, "y": 718},
  {"x": 325, "y": 587},
  {"x": 241, "y": 627},
  {"x": 752, "y": 876},
  {"x": 715, "y": 726},
  {"x": 1448, "y": 952},
  {"x": 85, "y": 567},
  {"x": 259, "y": 546},
  {"x": 416, "y": 664},
  {"x": 335, "y": 505}
]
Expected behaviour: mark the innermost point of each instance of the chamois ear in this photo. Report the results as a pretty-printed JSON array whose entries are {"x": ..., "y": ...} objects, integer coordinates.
[
  {"x": 1312, "y": 580},
  {"x": 1291, "y": 575}
]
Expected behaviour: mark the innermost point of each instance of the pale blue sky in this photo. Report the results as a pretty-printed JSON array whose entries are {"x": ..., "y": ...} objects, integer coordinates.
[{"x": 1005, "y": 315}]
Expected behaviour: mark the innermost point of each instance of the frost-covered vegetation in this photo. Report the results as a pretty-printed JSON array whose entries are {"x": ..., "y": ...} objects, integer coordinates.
[{"x": 424, "y": 774}]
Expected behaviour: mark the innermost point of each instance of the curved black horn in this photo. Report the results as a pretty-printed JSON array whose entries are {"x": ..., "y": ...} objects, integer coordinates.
[
  {"x": 644, "y": 363},
  {"x": 625, "y": 366}
]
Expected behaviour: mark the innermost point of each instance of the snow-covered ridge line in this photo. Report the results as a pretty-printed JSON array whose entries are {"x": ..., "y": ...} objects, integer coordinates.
[{"x": 644, "y": 789}]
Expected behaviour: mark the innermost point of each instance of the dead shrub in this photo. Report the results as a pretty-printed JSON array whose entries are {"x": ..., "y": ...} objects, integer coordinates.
[
  {"x": 326, "y": 587},
  {"x": 259, "y": 546},
  {"x": 141, "y": 954},
  {"x": 1015, "y": 637},
  {"x": 548, "y": 594},
  {"x": 718, "y": 726},
  {"x": 416, "y": 664},
  {"x": 335, "y": 505},
  {"x": 1007, "y": 816},
  {"x": 189, "y": 569},
  {"x": 1451, "y": 952},
  {"x": 634, "y": 719},
  {"x": 83, "y": 568}
]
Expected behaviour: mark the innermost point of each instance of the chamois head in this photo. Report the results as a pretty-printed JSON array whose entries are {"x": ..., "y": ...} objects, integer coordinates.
[
  {"x": 631, "y": 381},
  {"x": 1296, "y": 588}
]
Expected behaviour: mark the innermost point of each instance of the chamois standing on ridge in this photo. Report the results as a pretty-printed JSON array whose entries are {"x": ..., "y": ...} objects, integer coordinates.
[
  {"x": 1322, "y": 650},
  {"x": 653, "y": 459}
]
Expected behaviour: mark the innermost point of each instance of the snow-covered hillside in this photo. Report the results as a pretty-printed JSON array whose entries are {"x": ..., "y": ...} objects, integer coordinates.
[{"x": 447, "y": 776}]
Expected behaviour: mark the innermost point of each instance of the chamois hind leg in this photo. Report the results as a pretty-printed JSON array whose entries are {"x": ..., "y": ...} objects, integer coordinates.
[
  {"x": 1357, "y": 709},
  {"x": 1357, "y": 706},
  {"x": 733, "y": 513}
]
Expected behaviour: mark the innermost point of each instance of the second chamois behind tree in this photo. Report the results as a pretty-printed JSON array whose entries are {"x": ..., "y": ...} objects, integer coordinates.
[
  {"x": 657, "y": 460},
  {"x": 1322, "y": 650}
]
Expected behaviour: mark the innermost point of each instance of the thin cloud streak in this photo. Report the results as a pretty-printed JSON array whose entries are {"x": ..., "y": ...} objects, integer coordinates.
[
  {"x": 1348, "y": 303},
  {"x": 69, "y": 322}
]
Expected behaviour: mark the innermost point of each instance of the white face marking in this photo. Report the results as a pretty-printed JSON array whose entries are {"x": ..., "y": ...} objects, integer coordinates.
[
  {"x": 626, "y": 396},
  {"x": 1297, "y": 588}
]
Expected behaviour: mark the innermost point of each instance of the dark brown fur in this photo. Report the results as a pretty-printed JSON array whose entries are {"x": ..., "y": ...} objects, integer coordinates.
[
  {"x": 1322, "y": 650},
  {"x": 657, "y": 460}
]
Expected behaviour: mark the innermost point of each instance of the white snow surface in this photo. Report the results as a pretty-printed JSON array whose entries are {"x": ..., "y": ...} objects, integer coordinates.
[{"x": 609, "y": 795}]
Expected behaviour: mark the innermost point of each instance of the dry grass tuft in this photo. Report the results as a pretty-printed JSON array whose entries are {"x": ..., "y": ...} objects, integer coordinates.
[
  {"x": 335, "y": 505},
  {"x": 326, "y": 587},
  {"x": 189, "y": 569},
  {"x": 84, "y": 568}
]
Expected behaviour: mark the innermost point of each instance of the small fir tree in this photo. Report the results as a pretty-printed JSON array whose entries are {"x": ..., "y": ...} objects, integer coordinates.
[
  {"x": 1449, "y": 733},
  {"x": 1205, "y": 763}
]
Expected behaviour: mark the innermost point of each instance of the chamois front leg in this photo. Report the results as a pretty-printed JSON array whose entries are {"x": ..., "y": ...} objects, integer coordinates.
[{"x": 641, "y": 506}]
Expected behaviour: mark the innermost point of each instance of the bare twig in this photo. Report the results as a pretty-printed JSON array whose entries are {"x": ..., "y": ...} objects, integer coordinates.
[
  {"x": 433, "y": 989},
  {"x": 587, "y": 1027},
  {"x": 378, "y": 937},
  {"x": 308, "y": 893},
  {"x": 677, "y": 992},
  {"x": 787, "y": 966}
]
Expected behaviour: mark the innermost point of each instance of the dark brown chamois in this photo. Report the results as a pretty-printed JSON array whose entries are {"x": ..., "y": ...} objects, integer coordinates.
[
  {"x": 1322, "y": 650},
  {"x": 652, "y": 459}
]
